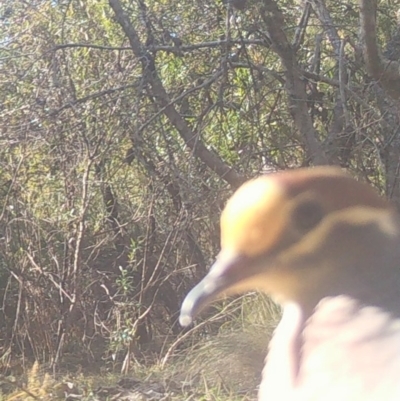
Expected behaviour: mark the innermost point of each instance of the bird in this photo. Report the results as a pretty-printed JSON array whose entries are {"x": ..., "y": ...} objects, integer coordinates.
[{"x": 326, "y": 247}]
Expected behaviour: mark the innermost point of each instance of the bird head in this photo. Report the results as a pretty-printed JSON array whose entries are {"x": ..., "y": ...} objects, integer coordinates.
[{"x": 300, "y": 236}]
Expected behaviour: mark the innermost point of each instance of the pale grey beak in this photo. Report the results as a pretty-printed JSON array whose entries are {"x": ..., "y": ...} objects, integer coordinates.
[{"x": 225, "y": 272}]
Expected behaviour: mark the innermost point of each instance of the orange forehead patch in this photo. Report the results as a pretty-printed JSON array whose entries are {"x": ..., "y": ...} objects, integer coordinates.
[{"x": 254, "y": 217}]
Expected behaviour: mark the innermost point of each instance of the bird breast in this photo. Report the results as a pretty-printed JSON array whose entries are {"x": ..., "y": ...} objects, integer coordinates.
[{"x": 346, "y": 351}]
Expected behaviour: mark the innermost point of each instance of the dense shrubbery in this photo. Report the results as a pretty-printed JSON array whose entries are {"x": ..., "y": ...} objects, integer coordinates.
[{"x": 120, "y": 144}]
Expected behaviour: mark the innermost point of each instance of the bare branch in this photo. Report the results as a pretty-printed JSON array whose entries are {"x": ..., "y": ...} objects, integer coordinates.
[
  {"x": 387, "y": 72},
  {"x": 295, "y": 85},
  {"x": 191, "y": 138}
]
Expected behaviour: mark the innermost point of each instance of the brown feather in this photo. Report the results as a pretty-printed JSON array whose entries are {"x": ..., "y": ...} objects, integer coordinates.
[{"x": 326, "y": 247}]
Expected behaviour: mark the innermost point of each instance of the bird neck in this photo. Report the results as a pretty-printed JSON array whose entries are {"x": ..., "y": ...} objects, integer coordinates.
[
  {"x": 361, "y": 261},
  {"x": 372, "y": 287}
]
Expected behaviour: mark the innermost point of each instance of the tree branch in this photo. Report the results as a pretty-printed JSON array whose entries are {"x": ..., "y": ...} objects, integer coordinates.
[
  {"x": 191, "y": 138},
  {"x": 295, "y": 84},
  {"x": 387, "y": 72}
]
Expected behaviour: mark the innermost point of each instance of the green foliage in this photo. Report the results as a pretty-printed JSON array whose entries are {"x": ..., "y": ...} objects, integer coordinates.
[{"x": 108, "y": 213}]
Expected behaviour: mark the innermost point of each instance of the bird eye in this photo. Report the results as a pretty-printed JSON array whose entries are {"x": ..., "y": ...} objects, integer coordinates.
[{"x": 307, "y": 214}]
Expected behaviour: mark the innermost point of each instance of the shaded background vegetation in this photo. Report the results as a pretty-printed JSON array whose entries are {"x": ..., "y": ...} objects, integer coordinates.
[{"x": 124, "y": 127}]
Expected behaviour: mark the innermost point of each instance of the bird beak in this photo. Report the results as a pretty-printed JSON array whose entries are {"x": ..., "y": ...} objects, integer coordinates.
[{"x": 229, "y": 274}]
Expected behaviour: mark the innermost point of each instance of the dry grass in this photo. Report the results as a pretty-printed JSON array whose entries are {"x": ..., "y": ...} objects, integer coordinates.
[
  {"x": 222, "y": 366},
  {"x": 33, "y": 386},
  {"x": 231, "y": 361}
]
